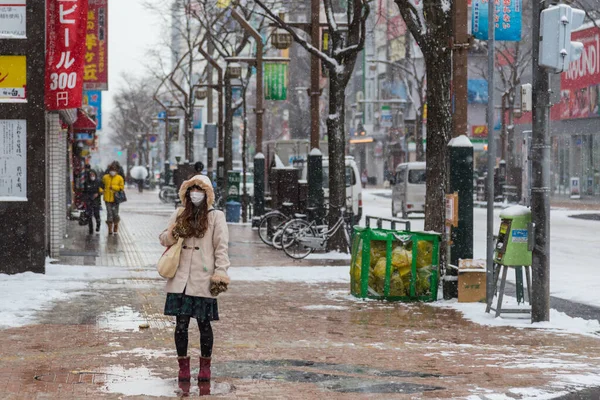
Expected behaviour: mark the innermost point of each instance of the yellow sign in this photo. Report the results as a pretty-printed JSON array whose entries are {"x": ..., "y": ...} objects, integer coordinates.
[
  {"x": 13, "y": 78},
  {"x": 223, "y": 3}
]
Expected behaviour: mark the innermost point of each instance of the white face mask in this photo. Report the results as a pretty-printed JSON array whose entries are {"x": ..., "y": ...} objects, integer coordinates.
[
  {"x": 112, "y": 173},
  {"x": 92, "y": 178},
  {"x": 197, "y": 197}
]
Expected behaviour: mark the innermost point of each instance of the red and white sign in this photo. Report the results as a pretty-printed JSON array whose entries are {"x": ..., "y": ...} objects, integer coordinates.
[
  {"x": 580, "y": 85},
  {"x": 65, "y": 44},
  {"x": 95, "y": 73}
]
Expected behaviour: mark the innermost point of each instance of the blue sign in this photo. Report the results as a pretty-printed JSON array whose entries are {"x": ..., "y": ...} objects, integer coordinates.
[
  {"x": 197, "y": 118},
  {"x": 94, "y": 99},
  {"x": 477, "y": 91},
  {"x": 83, "y": 137},
  {"x": 519, "y": 235},
  {"x": 162, "y": 115},
  {"x": 507, "y": 19}
]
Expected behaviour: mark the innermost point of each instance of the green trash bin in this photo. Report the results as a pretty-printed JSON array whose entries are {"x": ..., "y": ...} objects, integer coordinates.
[{"x": 394, "y": 265}]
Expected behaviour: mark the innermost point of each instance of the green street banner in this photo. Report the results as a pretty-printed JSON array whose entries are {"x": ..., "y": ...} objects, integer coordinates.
[{"x": 275, "y": 81}]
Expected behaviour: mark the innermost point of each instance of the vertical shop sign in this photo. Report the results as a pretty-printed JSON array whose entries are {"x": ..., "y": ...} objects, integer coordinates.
[
  {"x": 13, "y": 160},
  {"x": 65, "y": 44},
  {"x": 275, "y": 81},
  {"x": 95, "y": 75},
  {"x": 93, "y": 98},
  {"x": 13, "y": 19},
  {"x": 13, "y": 79},
  {"x": 507, "y": 20}
]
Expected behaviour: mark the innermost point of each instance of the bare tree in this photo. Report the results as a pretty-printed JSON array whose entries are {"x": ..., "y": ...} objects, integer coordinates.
[
  {"x": 347, "y": 41},
  {"x": 429, "y": 22},
  {"x": 134, "y": 110}
]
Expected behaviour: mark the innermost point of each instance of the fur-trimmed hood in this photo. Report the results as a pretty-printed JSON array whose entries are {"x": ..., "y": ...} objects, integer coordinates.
[{"x": 204, "y": 182}]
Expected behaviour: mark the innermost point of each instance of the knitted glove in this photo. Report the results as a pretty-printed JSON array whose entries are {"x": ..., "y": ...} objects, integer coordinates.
[{"x": 218, "y": 284}]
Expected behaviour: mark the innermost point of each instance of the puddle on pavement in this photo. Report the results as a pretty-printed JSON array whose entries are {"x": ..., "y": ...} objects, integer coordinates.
[
  {"x": 141, "y": 382},
  {"x": 120, "y": 319},
  {"x": 325, "y": 375}
]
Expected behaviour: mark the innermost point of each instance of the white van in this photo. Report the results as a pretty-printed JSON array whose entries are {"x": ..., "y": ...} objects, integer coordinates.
[
  {"x": 353, "y": 186},
  {"x": 408, "y": 189}
]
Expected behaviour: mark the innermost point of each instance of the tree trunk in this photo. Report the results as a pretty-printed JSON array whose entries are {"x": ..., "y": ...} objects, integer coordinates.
[
  {"x": 337, "y": 155},
  {"x": 439, "y": 131},
  {"x": 189, "y": 131}
]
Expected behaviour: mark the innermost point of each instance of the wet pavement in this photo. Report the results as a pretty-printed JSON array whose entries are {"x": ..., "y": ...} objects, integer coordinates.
[{"x": 275, "y": 340}]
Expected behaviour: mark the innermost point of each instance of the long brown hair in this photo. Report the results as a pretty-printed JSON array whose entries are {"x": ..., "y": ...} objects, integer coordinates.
[{"x": 193, "y": 221}]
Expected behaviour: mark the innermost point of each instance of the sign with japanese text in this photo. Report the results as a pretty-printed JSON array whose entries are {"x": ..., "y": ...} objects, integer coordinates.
[
  {"x": 95, "y": 73},
  {"x": 13, "y": 160},
  {"x": 507, "y": 20},
  {"x": 580, "y": 84},
  {"x": 479, "y": 131},
  {"x": 93, "y": 98},
  {"x": 65, "y": 44},
  {"x": 13, "y": 79},
  {"x": 13, "y": 19},
  {"x": 276, "y": 81}
]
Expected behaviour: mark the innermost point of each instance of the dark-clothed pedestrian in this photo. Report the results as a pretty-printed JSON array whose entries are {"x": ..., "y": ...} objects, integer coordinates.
[
  {"x": 202, "y": 272},
  {"x": 92, "y": 189},
  {"x": 112, "y": 182}
]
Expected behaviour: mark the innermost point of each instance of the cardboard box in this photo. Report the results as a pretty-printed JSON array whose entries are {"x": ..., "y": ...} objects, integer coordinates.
[{"x": 471, "y": 281}]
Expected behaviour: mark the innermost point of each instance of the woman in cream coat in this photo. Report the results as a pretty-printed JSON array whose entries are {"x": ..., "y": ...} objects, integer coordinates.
[{"x": 202, "y": 271}]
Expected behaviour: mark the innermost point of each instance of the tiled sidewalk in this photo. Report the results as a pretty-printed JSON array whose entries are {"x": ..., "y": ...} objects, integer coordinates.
[{"x": 275, "y": 340}]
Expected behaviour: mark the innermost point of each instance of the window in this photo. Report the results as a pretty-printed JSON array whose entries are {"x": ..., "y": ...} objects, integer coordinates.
[
  {"x": 417, "y": 176},
  {"x": 350, "y": 177},
  {"x": 400, "y": 176}
]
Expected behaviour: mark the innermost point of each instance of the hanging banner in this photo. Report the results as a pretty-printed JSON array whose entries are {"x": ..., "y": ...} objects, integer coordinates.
[
  {"x": 13, "y": 160},
  {"x": 197, "y": 118},
  {"x": 13, "y": 19},
  {"x": 95, "y": 73},
  {"x": 507, "y": 20},
  {"x": 65, "y": 44},
  {"x": 13, "y": 79},
  {"x": 275, "y": 81},
  {"x": 93, "y": 98}
]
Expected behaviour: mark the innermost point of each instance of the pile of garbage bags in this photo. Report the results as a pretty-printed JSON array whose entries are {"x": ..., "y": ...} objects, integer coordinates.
[{"x": 400, "y": 269}]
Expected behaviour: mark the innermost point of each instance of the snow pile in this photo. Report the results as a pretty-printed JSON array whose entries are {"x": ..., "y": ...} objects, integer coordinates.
[
  {"x": 515, "y": 211},
  {"x": 461, "y": 141},
  {"x": 23, "y": 295},
  {"x": 334, "y": 255},
  {"x": 559, "y": 322},
  {"x": 291, "y": 274}
]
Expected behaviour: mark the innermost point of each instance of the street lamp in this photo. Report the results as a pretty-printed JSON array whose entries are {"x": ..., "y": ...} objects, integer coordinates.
[
  {"x": 234, "y": 70},
  {"x": 201, "y": 93},
  {"x": 281, "y": 39}
]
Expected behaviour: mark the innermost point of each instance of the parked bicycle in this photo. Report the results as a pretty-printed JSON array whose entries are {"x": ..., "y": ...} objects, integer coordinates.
[
  {"x": 300, "y": 238},
  {"x": 168, "y": 194}
]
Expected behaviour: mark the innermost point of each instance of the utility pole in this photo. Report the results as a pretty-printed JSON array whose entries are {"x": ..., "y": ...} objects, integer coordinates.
[
  {"x": 540, "y": 188},
  {"x": 460, "y": 152},
  {"x": 491, "y": 162}
]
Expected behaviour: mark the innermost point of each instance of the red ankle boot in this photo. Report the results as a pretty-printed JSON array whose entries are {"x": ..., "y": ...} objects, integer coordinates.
[
  {"x": 184, "y": 369},
  {"x": 204, "y": 373}
]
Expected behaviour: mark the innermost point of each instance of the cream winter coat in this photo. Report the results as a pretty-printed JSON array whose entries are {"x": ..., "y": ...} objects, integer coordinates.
[{"x": 202, "y": 259}]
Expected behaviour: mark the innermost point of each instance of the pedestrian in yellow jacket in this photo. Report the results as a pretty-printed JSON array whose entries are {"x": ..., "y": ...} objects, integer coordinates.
[{"x": 112, "y": 182}]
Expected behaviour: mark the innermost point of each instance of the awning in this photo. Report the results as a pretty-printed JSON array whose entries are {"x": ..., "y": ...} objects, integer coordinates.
[{"x": 84, "y": 122}]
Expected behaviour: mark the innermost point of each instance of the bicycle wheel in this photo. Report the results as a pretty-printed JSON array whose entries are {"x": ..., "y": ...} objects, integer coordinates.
[
  {"x": 269, "y": 225},
  {"x": 292, "y": 233}
]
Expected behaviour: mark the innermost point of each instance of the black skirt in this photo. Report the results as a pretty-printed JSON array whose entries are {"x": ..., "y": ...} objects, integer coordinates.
[{"x": 201, "y": 308}]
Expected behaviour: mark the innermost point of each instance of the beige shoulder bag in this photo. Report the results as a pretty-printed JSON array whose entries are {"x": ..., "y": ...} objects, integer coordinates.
[{"x": 169, "y": 261}]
